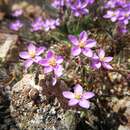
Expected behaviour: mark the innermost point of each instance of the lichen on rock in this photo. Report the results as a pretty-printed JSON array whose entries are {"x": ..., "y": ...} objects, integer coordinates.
[{"x": 31, "y": 109}]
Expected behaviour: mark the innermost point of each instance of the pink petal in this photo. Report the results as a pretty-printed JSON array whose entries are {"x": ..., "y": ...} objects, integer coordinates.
[
  {"x": 24, "y": 55},
  {"x": 44, "y": 62},
  {"x": 58, "y": 70},
  {"x": 113, "y": 19},
  {"x": 48, "y": 69},
  {"x": 101, "y": 53},
  {"x": 59, "y": 59},
  {"x": 68, "y": 95},
  {"x": 84, "y": 103},
  {"x": 75, "y": 51},
  {"x": 88, "y": 52},
  {"x": 37, "y": 59},
  {"x": 73, "y": 39},
  {"x": 50, "y": 54},
  {"x": 40, "y": 50},
  {"x": 96, "y": 65},
  {"x": 108, "y": 59},
  {"x": 28, "y": 63},
  {"x": 84, "y": 4},
  {"x": 95, "y": 57},
  {"x": 88, "y": 95},
  {"x": 31, "y": 48},
  {"x": 54, "y": 81},
  {"x": 73, "y": 102},
  {"x": 78, "y": 89},
  {"x": 83, "y": 36},
  {"x": 107, "y": 66},
  {"x": 90, "y": 43}
]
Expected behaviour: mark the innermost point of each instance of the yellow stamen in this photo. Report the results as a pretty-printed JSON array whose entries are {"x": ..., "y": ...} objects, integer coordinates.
[
  {"x": 81, "y": 44},
  {"x": 52, "y": 62},
  {"x": 32, "y": 54},
  {"x": 102, "y": 58},
  {"x": 77, "y": 96},
  {"x": 126, "y": 15}
]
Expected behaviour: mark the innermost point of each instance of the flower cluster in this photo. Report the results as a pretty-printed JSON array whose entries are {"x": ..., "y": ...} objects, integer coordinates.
[
  {"x": 77, "y": 7},
  {"x": 118, "y": 11},
  {"x": 84, "y": 45},
  {"x": 37, "y": 25},
  {"x": 48, "y": 24},
  {"x": 52, "y": 64}
]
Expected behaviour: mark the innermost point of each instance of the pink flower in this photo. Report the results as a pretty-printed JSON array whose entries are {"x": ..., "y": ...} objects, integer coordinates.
[
  {"x": 82, "y": 44},
  {"x": 16, "y": 26},
  {"x": 79, "y": 97},
  {"x": 17, "y": 13},
  {"x": 37, "y": 24},
  {"x": 52, "y": 63},
  {"x": 113, "y": 15},
  {"x": 32, "y": 55},
  {"x": 100, "y": 60}
]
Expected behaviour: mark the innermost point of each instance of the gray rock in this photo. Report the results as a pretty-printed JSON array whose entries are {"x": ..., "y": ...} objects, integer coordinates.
[
  {"x": 39, "y": 114},
  {"x": 7, "y": 42}
]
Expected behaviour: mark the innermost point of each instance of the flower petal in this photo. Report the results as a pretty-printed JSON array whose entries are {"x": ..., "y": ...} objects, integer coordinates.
[
  {"x": 84, "y": 103},
  {"x": 44, "y": 62},
  {"x": 88, "y": 95},
  {"x": 73, "y": 39},
  {"x": 68, "y": 95},
  {"x": 24, "y": 55},
  {"x": 78, "y": 89},
  {"x": 96, "y": 64},
  {"x": 48, "y": 69},
  {"x": 90, "y": 43},
  {"x": 95, "y": 57},
  {"x": 31, "y": 48},
  {"x": 58, "y": 70},
  {"x": 54, "y": 81},
  {"x": 28, "y": 63},
  {"x": 101, "y": 53},
  {"x": 75, "y": 51},
  {"x": 107, "y": 66},
  {"x": 50, "y": 54},
  {"x": 59, "y": 59},
  {"x": 37, "y": 59},
  {"x": 88, "y": 52},
  {"x": 108, "y": 59},
  {"x": 40, "y": 50},
  {"x": 83, "y": 36},
  {"x": 73, "y": 102}
]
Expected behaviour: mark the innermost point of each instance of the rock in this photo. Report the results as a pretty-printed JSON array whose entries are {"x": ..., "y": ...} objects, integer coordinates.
[
  {"x": 39, "y": 112},
  {"x": 123, "y": 106},
  {"x": 6, "y": 120},
  {"x": 7, "y": 41},
  {"x": 123, "y": 128}
]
